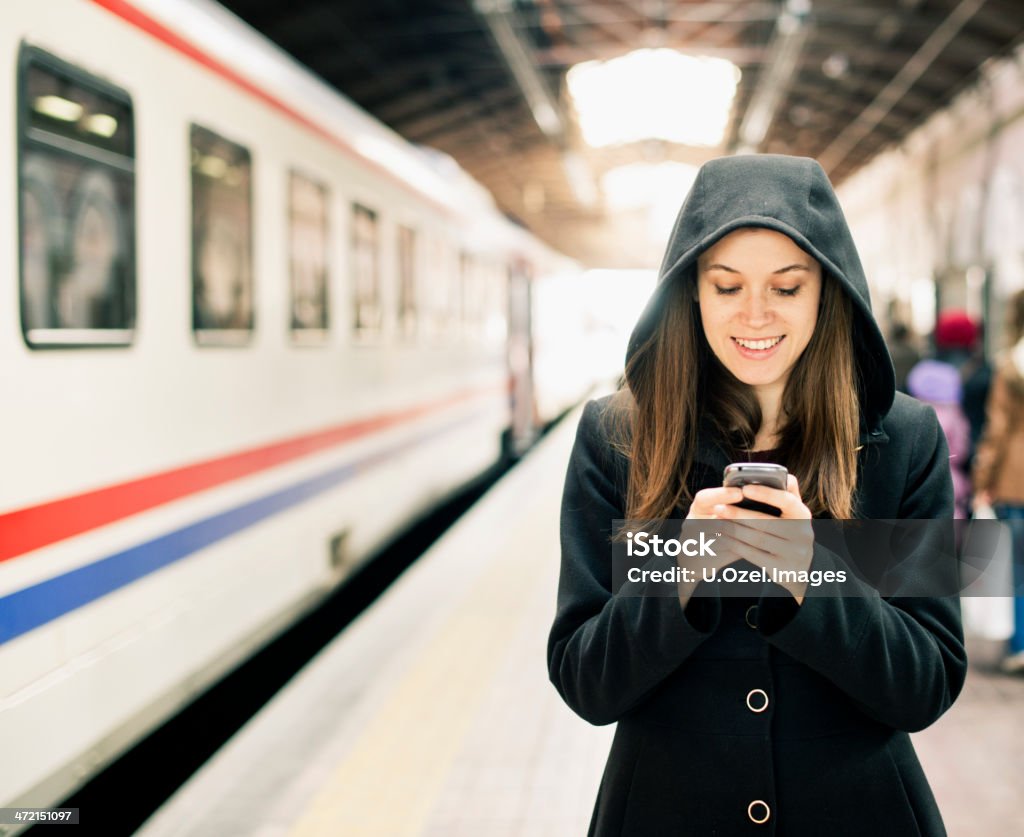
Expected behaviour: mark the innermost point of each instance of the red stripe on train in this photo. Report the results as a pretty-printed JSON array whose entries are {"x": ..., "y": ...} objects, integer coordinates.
[{"x": 37, "y": 526}]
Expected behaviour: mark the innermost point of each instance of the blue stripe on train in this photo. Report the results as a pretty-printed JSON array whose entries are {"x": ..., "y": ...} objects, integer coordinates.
[{"x": 31, "y": 607}]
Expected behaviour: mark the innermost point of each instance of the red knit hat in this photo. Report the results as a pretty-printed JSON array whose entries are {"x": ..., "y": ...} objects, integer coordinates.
[{"x": 955, "y": 330}]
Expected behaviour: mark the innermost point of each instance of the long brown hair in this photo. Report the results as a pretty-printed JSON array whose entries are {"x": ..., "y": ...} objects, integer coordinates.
[{"x": 675, "y": 386}]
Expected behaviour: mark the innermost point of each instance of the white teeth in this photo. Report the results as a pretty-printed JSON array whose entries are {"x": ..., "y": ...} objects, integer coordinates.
[{"x": 759, "y": 345}]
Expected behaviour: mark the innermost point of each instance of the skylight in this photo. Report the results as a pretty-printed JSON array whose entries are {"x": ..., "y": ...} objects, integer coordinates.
[
  {"x": 654, "y": 94},
  {"x": 639, "y": 185}
]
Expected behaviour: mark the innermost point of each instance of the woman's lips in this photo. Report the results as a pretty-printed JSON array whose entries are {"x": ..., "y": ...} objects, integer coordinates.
[{"x": 757, "y": 354}]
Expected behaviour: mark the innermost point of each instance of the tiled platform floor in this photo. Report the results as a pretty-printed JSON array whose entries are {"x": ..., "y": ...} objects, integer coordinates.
[{"x": 974, "y": 755}]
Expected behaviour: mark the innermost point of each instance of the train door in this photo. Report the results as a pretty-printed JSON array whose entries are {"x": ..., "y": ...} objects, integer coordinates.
[{"x": 523, "y": 425}]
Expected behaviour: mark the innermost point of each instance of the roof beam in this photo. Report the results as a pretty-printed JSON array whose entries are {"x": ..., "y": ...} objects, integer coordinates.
[
  {"x": 999, "y": 19},
  {"x": 695, "y": 29},
  {"x": 424, "y": 102},
  {"x": 566, "y": 55},
  {"x": 622, "y": 29},
  {"x": 861, "y": 88},
  {"x": 498, "y": 16},
  {"x": 625, "y": 11},
  {"x": 465, "y": 141},
  {"x": 435, "y": 121},
  {"x": 864, "y": 59},
  {"x": 722, "y": 11},
  {"x": 775, "y": 77},
  {"x": 874, "y": 113},
  {"x": 819, "y": 100},
  {"x": 547, "y": 111}
]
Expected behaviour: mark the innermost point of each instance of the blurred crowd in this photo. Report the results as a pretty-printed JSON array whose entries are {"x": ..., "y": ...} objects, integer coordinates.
[{"x": 980, "y": 405}]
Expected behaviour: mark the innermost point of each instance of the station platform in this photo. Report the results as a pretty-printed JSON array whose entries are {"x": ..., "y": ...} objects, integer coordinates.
[{"x": 432, "y": 714}]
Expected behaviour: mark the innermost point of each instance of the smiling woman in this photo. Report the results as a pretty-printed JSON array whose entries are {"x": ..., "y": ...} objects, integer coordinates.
[{"x": 758, "y": 343}]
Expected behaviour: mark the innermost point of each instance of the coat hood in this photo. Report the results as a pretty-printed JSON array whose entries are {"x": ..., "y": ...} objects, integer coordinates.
[{"x": 791, "y": 195}]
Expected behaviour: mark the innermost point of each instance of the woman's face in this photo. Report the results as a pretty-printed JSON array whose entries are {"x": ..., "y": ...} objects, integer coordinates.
[{"x": 758, "y": 294}]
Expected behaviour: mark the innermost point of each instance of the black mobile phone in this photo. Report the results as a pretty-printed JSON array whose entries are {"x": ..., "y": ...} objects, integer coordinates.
[{"x": 739, "y": 474}]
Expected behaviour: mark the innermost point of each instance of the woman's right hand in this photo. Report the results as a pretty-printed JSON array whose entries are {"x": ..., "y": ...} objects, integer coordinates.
[
  {"x": 981, "y": 498},
  {"x": 702, "y": 508}
]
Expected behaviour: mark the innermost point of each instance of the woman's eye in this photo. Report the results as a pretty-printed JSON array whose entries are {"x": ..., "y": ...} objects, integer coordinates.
[{"x": 735, "y": 289}]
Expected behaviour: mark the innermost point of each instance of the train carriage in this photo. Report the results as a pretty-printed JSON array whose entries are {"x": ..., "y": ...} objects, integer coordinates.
[{"x": 250, "y": 333}]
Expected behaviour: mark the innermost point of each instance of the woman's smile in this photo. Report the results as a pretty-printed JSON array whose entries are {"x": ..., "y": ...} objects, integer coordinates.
[{"x": 757, "y": 348}]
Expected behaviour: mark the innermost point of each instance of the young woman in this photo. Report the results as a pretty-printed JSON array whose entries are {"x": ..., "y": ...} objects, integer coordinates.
[{"x": 787, "y": 711}]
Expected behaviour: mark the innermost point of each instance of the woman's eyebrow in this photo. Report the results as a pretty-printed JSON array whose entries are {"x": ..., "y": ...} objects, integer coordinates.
[{"x": 788, "y": 268}]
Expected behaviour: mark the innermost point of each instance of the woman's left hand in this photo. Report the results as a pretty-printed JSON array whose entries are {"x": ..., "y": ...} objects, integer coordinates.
[{"x": 753, "y": 537}]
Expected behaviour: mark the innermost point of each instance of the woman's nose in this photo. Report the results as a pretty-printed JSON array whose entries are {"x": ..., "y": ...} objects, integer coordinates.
[{"x": 756, "y": 310}]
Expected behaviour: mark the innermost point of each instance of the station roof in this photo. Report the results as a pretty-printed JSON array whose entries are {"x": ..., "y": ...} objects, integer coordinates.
[{"x": 830, "y": 79}]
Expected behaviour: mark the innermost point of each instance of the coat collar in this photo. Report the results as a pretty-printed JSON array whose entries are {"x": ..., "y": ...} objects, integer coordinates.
[
  {"x": 872, "y": 433},
  {"x": 712, "y": 454}
]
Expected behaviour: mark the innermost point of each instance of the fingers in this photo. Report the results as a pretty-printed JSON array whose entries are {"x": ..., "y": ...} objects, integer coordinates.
[
  {"x": 767, "y": 537},
  {"x": 759, "y": 538},
  {"x": 732, "y": 549},
  {"x": 736, "y": 513},
  {"x": 763, "y": 548},
  {"x": 720, "y": 502},
  {"x": 704, "y": 501},
  {"x": 788, "y": 501}
]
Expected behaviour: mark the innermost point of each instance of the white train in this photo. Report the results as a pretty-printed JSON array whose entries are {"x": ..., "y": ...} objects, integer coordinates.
[{"x": 248, "y": 334}]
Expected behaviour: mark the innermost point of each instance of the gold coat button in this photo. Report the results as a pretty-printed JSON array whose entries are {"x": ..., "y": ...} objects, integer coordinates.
[
  {"x": 757, "y": 700},
  {"x": 750, "y": 617},
  {"x": 758, "y": 811}
]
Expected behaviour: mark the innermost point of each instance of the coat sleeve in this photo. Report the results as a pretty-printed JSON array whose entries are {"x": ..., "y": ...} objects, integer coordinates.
[
  {"x": 608, "y": 649},
  {"x": 899, "y": 657}
]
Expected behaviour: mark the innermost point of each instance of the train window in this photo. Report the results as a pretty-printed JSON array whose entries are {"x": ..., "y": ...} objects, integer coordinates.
[
  {"x": 434, "y": 300},
  {"x": 365, "y": 272},
  {"x": 76, "y": 171},
  {"x": 472, "y": 290},
  {"x": 465, "y": 268},
  {"x": 308, "y": 201},
  {"x": 222, "y": 284},
  {"x": 495, "y": 321},
  {"x": 451, "y": 287},
  {"x": 407, "y": 290}
]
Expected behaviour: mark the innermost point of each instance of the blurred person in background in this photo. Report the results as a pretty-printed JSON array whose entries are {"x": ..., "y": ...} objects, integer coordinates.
[
  {"x": 904, "y": 354},
  {"x": 958, "y": 342},
  {"x": 976, "y": 376},
  {"x": 774, "y": 705},
  {"x": 999, "y": 465},
  {"x": 938, "y": 383},
  {"x": 956, "y": 337}
]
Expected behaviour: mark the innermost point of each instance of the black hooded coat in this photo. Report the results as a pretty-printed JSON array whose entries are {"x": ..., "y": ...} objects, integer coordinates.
[{"x": 844, "y": 677}]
